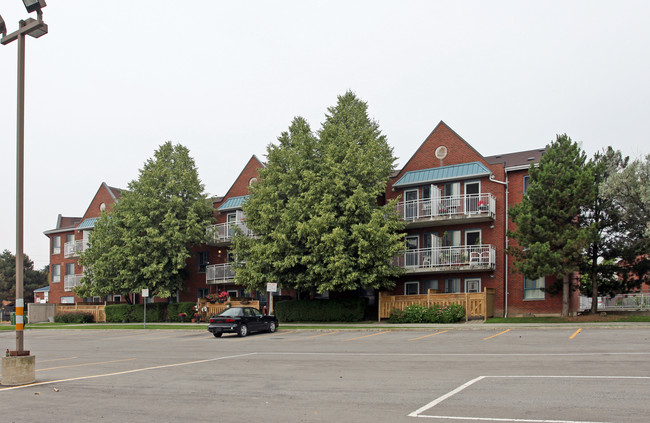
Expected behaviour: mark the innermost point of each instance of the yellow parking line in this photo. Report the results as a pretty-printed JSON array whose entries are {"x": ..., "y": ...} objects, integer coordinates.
[
  {"x": 501, "y": 333},
  {"x": 314, "y": 336},
  {"x": 85, "y": 364},
  {"x": 426, "y": 336},
  {"x": 365, "y": 336},
  {"x": 576, "y": 332}
]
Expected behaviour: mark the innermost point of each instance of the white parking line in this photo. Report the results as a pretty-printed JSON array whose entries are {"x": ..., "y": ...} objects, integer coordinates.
[
  {"x": 165, "y": 366},
  {"x": 419, "y": 411}
]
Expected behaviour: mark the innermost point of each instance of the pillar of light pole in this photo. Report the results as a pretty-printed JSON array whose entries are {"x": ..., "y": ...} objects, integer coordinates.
[{"x": 19, "y": 369}]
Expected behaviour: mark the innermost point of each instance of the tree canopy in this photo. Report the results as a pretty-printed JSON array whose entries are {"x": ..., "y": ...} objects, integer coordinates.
[
  {"x": 315, "y": 208},
  {"x": 143, "y": 242},
  {"x": 550, "y": 237},
  {"x": 32, "y": 279},
  {"x": 629, "y": 191}
]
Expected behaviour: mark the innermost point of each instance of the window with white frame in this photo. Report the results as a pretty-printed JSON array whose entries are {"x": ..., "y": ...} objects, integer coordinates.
[
  {"x": 67, "y": 300},
  {"x": 452, "y": 285},
  {"x": 69, "y": 268},
  {"x": 56, "y": 245},
  {"x": 411, "y": 288},
  {"x": 473, "y": 285},
  {"x": 233, "y": 293},
  {"x": 69, "y": 238},
  {"x": 201, "y": 292},
  {"x": 534, "y": 288},
  {"x": 56, "y": 273}
]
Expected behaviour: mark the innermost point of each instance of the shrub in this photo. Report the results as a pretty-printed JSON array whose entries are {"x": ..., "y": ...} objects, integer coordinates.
[
  {"x": 417, "y": 313},
  {"x": 119, "y": 313},
  {"x": 339, "y": 310},
  {"x": 155, "y": 312},
  {"x": 74, "y": 317},
  {"x": 173, "y": 309}
]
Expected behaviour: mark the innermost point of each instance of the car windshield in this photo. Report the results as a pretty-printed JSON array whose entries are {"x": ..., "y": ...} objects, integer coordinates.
[{"x": 232, "y": 312}]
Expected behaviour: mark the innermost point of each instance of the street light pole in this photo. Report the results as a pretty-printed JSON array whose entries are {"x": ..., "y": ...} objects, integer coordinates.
[{"x": 35, "y": 28}]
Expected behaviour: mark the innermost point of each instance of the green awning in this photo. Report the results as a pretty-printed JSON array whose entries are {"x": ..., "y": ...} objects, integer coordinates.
[
  {"x": 233, "y": 203},
  {"x": 444, "y": 173}
]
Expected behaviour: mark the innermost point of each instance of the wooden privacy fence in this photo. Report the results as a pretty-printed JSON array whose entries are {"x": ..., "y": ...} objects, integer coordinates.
[
  {"x": 97, "y": 311},
  {"x": 476, "y": 304}
]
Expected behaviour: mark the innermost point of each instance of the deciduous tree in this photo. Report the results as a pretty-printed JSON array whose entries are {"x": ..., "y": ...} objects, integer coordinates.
[
  {"x": 315, "y": 208},
  {"x": 144, "y": 241}
]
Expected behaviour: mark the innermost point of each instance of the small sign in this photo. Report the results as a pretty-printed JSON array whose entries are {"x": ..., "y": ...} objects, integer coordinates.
[
  {"x": 145, "y": 293},
  {"x": 271, "y": 287}
]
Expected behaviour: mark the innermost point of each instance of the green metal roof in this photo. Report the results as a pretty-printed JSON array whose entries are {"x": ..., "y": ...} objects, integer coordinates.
[
  {"x": 88, "y": 223},
  {"x": 444, "y": 173},
  {"x": 233, "y": 203}
]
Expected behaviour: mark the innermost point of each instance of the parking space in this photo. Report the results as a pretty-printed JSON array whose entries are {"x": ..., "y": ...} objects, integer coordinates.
[{"x": 598, "y": 375}]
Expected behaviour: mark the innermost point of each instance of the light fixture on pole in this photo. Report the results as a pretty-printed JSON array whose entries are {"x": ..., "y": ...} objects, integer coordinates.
[{"x": 22, "y": 371}]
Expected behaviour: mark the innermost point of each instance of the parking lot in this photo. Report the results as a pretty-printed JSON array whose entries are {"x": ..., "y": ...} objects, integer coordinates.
[{"x": 489, "y": 374}]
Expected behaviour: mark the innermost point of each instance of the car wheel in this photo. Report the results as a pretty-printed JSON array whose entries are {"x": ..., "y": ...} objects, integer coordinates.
[
  {"x": 217, "y": 334},
  {"x": 243, "y": 331},
  {"x": 272, "y": 327}
]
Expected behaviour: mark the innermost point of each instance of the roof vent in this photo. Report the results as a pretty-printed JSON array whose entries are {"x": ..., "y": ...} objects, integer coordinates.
[{"x": 530, "y": 159}]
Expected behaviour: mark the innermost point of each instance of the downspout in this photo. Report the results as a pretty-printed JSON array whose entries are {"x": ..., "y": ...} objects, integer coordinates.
[{"x": 507, "y": 271}]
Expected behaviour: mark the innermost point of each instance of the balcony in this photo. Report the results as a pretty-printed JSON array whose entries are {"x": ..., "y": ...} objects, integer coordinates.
[
  {"x": 448, "y": 259},
  {"x": 222, "y": 233},
  {"x": 71, "y": 281},
  {"x": 219, "y": 273},
  {"x": 74, "y": 248},
  {"x": 426, "y": 212}
]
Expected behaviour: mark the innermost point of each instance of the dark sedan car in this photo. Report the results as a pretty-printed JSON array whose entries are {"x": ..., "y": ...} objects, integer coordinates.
[{"x": 242, "y": 321}]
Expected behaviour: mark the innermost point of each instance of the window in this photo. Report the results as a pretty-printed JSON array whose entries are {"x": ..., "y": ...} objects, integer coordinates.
[
  {"x": 201, "y": 292},
  {"x": 534, "y": 288},
  {"x": 473, "y": 237},
  {"x": 452, "y": 239},
  {"x": 202, "y": 260},
  {"x": 411, "y": 204},
  {"x": 526, "y": 183},
  {"x": 429, "y": 284},
  {"x": 69, "y": 268},
  {"x": 67, "y": 300},
  {"x": 411, "y": 288},
  {"x": 69, "y": 238},
  {"x": 56, "y": 273},
  {"x": 56, "y": 245},
  {"x": 412, "y": 245},
  {"x": 472, "y": 191},
  {"x": 233, "y": 293},
  {"x": 117, "y": 298},
  {"x": 452, "y": 285},
  {"x": 473, "y": 285}
]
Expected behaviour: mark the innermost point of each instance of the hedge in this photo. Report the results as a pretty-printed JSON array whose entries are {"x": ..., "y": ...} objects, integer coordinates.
[
  {"x": 340, "y": 310},
  {"x": 74, "y": 317},
  {"x": 417, "y": 313},
  {"x": 156, "y": 312}
]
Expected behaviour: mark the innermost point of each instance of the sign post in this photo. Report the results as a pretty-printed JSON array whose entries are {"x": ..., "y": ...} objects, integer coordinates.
[
  {"x": 271, "y": 288},
  {"x": 145, "y": 295}
]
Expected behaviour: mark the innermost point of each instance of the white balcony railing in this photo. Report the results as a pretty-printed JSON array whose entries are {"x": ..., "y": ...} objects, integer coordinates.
[
  {"x": 450, "y": 206},
  {"x": 74, "y": 248},
  {"x": 444, "y": 259},
  {"x": 219, "y": 273},
  {"x": 224, "y": 232},
  {"x": 71, "y": 281}
]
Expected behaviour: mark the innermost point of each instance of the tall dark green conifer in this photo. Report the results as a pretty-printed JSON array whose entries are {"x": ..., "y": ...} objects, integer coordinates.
[{"x": 550, "y": 237}]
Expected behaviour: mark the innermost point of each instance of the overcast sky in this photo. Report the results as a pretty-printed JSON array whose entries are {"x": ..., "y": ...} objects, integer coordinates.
[{"x": 115, "y": 79}]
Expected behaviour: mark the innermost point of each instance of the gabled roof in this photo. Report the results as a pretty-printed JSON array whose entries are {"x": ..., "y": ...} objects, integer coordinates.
[
  {"x": 443, "y": 173},
  {"x": 64, "y": 224},
  {"x": 519, "y": 159},
  {"x": 233, "y": 203}
]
